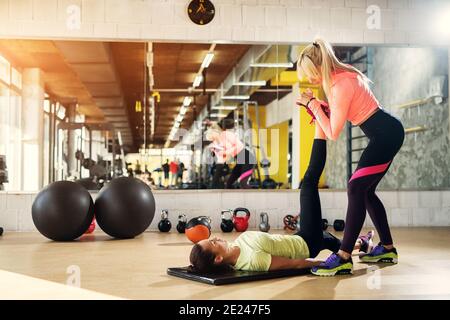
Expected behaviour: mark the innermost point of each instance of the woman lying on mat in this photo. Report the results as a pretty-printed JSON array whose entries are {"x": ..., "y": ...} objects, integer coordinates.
[{"x": 259, "y": 251}]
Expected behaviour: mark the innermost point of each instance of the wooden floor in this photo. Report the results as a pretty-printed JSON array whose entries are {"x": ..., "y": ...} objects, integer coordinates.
[{"x": 136, "y": 269}]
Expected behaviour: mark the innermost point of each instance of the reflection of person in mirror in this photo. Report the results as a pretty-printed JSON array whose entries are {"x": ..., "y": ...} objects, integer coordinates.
[
  {"x": 148, "y": 179},
  {"x": 137, "y": 168},
  {"x": 226, "y": 147},
  {"x": 180, "y": 172},
  {"x": 351, "y": 99},
  {"x": 165, "y": 169},
  {"x": 173, "y": 172}
]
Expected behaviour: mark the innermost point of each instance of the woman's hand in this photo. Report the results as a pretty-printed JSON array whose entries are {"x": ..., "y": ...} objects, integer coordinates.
[{"x": 305, "y": 97}]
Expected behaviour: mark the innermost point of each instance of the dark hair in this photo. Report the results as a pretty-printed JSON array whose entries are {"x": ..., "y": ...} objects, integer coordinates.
[{"x": 203, "y": 261}]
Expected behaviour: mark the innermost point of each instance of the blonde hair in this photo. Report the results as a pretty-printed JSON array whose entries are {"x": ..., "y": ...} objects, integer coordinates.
[
  {"x": 213, "y": 127},
  {"x": 318, "y": 60}
]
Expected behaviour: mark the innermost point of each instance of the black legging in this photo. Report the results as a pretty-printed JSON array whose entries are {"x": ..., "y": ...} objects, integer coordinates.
[
  {"x": 245, "y": 163},
  {"x": 311, "y": 212},
  {"x": 386, "y": 135}
]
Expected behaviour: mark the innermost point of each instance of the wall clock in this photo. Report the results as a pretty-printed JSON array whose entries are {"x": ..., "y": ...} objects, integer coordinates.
[{"x": 201, "y": 11}]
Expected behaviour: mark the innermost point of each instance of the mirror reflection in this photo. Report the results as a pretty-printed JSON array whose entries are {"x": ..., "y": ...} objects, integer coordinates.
[{"x": 203, "y": 116}]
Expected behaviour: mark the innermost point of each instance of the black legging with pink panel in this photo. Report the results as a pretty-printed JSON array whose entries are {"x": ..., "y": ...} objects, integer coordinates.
[
  {"x": 386, "y": 135},
  {"x": 243, "y": 170},
  {"x": 311, "y": 212}
]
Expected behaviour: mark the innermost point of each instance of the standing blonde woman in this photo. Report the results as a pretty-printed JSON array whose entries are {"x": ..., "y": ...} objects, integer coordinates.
[
  {"x": 227, "y": 146},
  {"x": 350, "y": 98}
]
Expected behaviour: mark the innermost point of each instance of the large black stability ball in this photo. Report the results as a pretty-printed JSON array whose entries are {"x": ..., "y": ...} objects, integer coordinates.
[
  {"x": 125, "y": 207},
  {"x": 63, "y": 211}
]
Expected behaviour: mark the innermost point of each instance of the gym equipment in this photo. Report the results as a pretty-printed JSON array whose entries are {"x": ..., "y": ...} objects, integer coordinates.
[
  {"x": 164, "y": 225},
  {"x": 227, "y": 224},
  {"x": 62, "y": 211},
  {"x": 264, "y": 225},
  {"x": 3, "y": 171},
  {"x": 241, "y": 222},
  {"x": 233, "y": 276},
  {"x": 267, "y": 183},
  {"x": 113, "y": 168},
  {"x": 79, "y": 155},
  {"x": 290, "y": 222},
  {"x": 338, "y": 225},
  {"x": 125, "y": 207},
  {"x": 324, "y": 224},
  {"x": 182, "y": 221},
  {"x": 1, "y": 231},
  {"x": 198, "y": 228},
  {"x": 91, "y": 227}
]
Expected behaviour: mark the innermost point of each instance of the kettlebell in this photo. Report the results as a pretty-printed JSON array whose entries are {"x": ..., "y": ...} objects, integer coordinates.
[
  {"x": 198, "y": 228},
  {"x": 91, "y": 227},
  {"x": 227, "y": 223},
  {"x": 241, "y": 222},
  {"x": 182, "y": 221},
  {"x": 339, "y": 225},
  {"x": 264, "y": 225},
  {"x": 164, "y": 225}
]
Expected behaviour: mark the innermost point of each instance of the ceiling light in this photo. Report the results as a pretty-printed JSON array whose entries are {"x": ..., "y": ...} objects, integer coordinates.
[
  {"x": 149, "y": 59},
  {"x": 198, "y": 79},
  {"x": 187, "y": 101},
  {"x": 251, "y": 83},
  {"x": 272, "y": 65},
  {"x": 242, "y": 97},
  {"x": 208, "y": 58},
  {"x": 224, "y": 108},
  {"x": 218, "y": 115},
  {"x": 119, "y": 136}
]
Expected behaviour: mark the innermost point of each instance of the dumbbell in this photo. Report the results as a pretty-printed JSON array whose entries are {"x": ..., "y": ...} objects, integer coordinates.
[
  {"x": 164, "y": 225},
  {"x": 338, "y": 225}
]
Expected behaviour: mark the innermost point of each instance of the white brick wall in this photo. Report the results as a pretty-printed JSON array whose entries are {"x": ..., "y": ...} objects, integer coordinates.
[
  {"x": 337, "y": 3},
  {"x": 105, "y": 30},
  {"x": 380, "y": 3},
  {"x": 45, "y": 10},
  {"x": 341, "y": 21},
  {"x": 341, "y": 18},
  {"x": 92, "y": 11},
  {"x": 275, "y": 16},
  {"x": 21, "y": 9},
  {"x": 62, "y": 8},
  {"x": 230, "y": 15},
  {"x": 128, "y": 31},
  {"x": 356, "y": 3},
  {"x": 404, "y": 208}
]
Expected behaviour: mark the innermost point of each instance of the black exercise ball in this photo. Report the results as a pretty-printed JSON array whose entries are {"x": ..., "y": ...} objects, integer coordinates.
[
  {"x": 125, "y": 207},
  {"x": 63, "y": 211}
]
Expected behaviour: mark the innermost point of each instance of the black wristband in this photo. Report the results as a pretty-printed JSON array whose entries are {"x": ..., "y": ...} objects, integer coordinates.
[{"x": 307, "y": 105}]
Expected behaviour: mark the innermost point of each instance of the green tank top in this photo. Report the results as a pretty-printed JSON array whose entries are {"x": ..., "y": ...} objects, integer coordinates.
[{"x": 257, "y": 249}]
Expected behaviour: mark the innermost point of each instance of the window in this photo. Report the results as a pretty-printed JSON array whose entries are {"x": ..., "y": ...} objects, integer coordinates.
[{"x": 5, "y": 70}]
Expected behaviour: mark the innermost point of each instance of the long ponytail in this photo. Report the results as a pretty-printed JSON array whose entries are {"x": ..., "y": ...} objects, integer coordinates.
[{"x": 318, "y": 58}]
